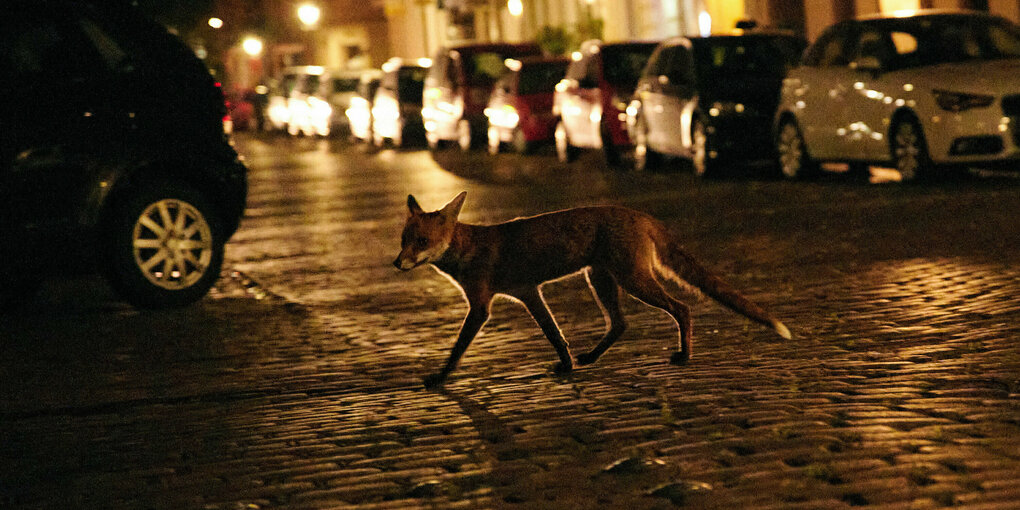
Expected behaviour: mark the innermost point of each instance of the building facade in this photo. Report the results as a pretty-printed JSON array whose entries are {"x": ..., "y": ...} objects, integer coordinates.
[
  {"x": 419, "y": 27},
  {"x": 358, "y": 34}
]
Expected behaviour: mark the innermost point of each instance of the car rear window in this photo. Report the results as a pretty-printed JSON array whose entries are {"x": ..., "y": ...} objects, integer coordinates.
[
  {"x": 540, "y": 78},
  {"x": 622, "y": 65},
  {"x": 410, "y": 83},
  {"x": 345, "y": 85},
  {"x": 726, "y": 57},
  {"x": 484, "y": 67}
]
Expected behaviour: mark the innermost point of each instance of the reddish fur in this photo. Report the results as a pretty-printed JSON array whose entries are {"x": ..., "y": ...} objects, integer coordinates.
[{"x": 616, "y": 246}]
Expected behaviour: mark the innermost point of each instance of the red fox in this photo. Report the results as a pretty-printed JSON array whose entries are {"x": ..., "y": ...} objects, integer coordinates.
[{"x": 614, "y": 247}]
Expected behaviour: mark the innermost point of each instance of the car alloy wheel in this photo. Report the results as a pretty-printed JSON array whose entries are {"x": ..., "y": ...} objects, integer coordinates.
[
  {"x": 172, "y": 244},
  {"x": 164, "y": 245},
  {"x": 910, "y": 153},
  {"x": 793, "y": 158},
  {"x": 464, "y": 135}
]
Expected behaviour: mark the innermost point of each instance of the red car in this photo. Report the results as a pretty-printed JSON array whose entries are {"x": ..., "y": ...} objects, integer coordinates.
[
  {"x": 520, "y": 109},
  {"x": 457, "y": 89},
  {"x": 592, "y": 99}
]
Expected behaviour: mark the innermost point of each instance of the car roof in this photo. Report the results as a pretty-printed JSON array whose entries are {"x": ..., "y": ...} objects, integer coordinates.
[
  {"x": 925, "y": 13},
  {"x": 617, "y": 44},
  {"x": 480, "y": 47}
]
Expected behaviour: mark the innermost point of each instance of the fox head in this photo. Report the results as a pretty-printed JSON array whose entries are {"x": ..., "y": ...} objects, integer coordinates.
[{"x": 427, "y": 235}]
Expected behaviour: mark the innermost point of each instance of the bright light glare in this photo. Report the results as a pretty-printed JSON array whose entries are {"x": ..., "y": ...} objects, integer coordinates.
[
  {"x": 516, "y": 7},
  {"x": 215, "y": 23},
  {"x": 308, "y": 14},
  {"x": 252, "y": 46},
  {"x": 705, "y": 24}
]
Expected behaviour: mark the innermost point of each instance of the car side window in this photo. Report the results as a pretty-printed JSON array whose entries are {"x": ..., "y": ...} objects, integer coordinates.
[
  {"x": 36, "y": 45},
  {"x": 584, "y": 70},
  {"x": 657, "y": 62},
  {"x": 451, "y": 78},
  {"x": 872, "y": 43},
  {"x": 832, "y": 49},
  {"x": 389, "y": 81},
  {"x": 680, "y": 70}
]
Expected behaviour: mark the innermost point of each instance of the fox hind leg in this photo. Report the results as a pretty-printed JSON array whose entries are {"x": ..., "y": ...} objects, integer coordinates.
[
  {"x": 647, "y": 288},
  {"x": 607, "y": 293}
]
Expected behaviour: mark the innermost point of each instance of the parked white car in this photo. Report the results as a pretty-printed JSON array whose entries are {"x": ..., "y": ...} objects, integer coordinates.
[{"x": 931, "y": 89}]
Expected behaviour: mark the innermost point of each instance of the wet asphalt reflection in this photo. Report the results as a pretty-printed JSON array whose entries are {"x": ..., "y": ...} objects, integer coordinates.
[{"x": 297, "y": 382}]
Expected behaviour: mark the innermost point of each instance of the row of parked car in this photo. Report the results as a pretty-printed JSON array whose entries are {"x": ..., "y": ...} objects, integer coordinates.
[{"x": 931, "y": 88}]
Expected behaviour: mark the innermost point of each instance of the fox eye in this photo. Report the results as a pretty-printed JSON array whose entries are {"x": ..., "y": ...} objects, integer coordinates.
[{"x": 421, "y": 242}]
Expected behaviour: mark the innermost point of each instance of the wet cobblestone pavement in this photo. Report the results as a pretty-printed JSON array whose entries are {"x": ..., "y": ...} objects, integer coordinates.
[{"x": 297, "y": 382}]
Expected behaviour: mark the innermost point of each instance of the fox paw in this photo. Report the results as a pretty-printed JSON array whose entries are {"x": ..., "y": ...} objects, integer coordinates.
[
  {"x": 563, "y": 368},
  {"x": 434, "y": 380},
  {"x": 586, "y": 359},
  {"x": 679, "y": 358}
]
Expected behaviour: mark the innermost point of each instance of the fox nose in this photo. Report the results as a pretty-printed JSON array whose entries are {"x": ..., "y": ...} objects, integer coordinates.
[{"x": 396, "y": 263}]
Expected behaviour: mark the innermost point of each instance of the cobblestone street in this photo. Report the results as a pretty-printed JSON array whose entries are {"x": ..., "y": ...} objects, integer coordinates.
[{"x": 297, "y": 383}]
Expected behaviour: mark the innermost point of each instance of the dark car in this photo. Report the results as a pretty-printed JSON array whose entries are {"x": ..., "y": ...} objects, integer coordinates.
[
  {"x": 457, "y": 90},
  {"x": 711, "y": 99},
  {"x": 592, "y": 98},
  {"x": 520, "y": 109},
  {"x": 113, "y": 155},
  {"x": 396, "y": 110}
]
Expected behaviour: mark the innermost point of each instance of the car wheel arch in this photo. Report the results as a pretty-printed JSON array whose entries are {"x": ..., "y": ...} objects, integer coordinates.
[
  {"x": 148, "y": 175},
  {"x": 900, "y": 115}
]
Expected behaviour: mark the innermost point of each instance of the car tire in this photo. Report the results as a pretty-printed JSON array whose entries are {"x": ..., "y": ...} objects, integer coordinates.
[
  {"x": 398, "y": 136},
  {"x": 565, "y": 152},
  {"x": 464, "y": 138},
  {"x": 792, "y": 156},
  {"x": 909, "y": 150},
  {"x": 643, "y": 159},
  {"x": 520, "y": 143},
  {"x": 434, "y": 142},
  {"x": 612, "y": 153},
  {"x": 704, "y": 166},
  {"x": 493, "y": 140},
  {"x": 164, "y": 246}
]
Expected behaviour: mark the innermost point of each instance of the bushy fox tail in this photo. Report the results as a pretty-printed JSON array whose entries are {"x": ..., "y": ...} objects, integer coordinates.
[{"x": 682, "y": 265}]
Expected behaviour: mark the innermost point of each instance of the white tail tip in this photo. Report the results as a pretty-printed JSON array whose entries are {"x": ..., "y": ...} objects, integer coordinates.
[{"x": 782, "y": 330}]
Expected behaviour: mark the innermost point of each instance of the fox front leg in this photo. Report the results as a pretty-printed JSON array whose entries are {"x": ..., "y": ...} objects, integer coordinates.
[
  {"x": 473, "y": 323},
  {"x": 533, "y": 301}
]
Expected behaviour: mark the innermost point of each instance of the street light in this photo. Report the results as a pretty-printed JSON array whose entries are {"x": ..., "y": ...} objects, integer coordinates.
[
  {"x": 516, "y": 7},
  {"x": 252, "y": 46},
  {"x": 308, "y": 14},
  {"x": 215, "y": 23}
]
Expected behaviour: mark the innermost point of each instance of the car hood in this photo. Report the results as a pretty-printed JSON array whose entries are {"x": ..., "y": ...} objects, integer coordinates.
[{"x": 993, "y": 77}]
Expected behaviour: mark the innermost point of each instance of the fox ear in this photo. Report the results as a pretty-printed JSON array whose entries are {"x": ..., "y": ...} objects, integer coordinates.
[
  {"x": 412, "y": 205},
  {"x": 452, "y": 210}
]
